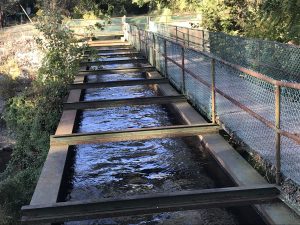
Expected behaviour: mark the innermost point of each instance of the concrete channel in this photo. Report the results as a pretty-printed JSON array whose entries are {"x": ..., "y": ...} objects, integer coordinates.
[{"x": 217, "y": 186}]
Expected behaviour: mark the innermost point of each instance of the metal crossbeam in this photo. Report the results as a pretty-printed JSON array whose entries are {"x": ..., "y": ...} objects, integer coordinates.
[
  {"x": 148, "y": 204},
  {"x": 114, "y": 50},
  {"x": 117, "y": 70},
  {"x": 134, "y": 134},
  {"x": 119, "y": 61},
  {"x": 110, "y": 45},
  {"x": 114, "y": 46},
  {"x": 117, "y": 54},
  {"x": 119, "y": 83},
  {"x": 121, "y": 102}
]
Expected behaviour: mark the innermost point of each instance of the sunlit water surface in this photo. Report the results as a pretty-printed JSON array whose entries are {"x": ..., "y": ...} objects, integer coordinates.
[{"x": 137, "y": 167}]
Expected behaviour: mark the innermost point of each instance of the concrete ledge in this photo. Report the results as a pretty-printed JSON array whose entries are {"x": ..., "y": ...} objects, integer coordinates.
[
  {"x": 235, "y": 166},
  {"x": 48, "y": 186}
]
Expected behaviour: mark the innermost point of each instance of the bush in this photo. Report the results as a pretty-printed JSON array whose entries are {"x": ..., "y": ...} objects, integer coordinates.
[
  {"x": 277, "y": 20},
  {"x": 9, "y": 86},
  {"x": 34, "y": 114}
]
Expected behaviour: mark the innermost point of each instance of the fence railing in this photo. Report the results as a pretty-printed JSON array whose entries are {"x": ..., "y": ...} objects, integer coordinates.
[
  {"x": 114, "y": 25},
  {"x": 277, "y": 60},
  {"x": 262, "y": 112}
]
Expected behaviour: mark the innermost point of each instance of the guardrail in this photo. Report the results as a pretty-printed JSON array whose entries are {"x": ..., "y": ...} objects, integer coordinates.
[
  {"x": 262, "y": 112},
  {"x": 247, "y": 52}
]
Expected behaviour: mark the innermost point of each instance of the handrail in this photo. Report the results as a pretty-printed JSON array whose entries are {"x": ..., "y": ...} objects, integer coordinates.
[
  {"x": 195, "y": 29},
  {"x": 277, "y": 84},
  {"x": 238, "y": 67},
  {"x": 204, "y": 41}
]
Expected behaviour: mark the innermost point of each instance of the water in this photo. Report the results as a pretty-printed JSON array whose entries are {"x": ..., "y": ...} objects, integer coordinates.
[
  {"x": 114, "y": 58},
  {"x": 137, "y": 167},
  {"x": 116, "y": 66}
]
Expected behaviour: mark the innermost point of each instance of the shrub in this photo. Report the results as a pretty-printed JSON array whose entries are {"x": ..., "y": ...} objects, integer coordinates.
[{"x": 34, "y": 114}]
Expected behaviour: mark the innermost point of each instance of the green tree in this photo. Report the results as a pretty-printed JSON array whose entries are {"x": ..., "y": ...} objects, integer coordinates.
[
  {"x": 228, "y": 16},
  {"x": 34, "y": 114},
  {"x": 276, "y": 20}
]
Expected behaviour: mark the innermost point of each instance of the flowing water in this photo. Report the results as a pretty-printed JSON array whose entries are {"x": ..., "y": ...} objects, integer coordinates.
[{"x": 137, "y": 167}]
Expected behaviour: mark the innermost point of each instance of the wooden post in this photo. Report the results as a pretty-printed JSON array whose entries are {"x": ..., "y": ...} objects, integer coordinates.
[
  {"x": 176, "y": 33},
  {"x": 213, "y": 92},
  {"x": 166, "y": 60},
  {"x": 182, "y": 67},
  {"x": 278, "y": 136}
]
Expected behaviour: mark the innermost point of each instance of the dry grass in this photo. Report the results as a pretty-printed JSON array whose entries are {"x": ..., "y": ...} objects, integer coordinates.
[{"x": 19, "y": 53}]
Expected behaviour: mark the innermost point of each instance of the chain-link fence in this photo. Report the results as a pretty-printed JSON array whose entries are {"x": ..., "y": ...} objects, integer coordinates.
[
  {"x": 262, "y": 112},
  {"x": 114, "y": 25},
  {"x": 277, "y": 60}
]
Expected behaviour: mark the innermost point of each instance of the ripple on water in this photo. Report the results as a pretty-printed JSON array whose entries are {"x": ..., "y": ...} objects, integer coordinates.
[
  {"x": 137, "y": 167},
  {"x": 119, "y": 118},
  {"x": 114, "y": 77},
  {"x": 103, "y": 59},
  {"x": 115, "y": 66},
  {"x": 118, "y": 92}
]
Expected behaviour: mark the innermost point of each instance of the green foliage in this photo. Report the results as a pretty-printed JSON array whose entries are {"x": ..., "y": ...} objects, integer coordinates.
[
  {"x": 9, "y": 86},
  {"x": 62, "y": 53},
  {"x": 34, "y": 114},
  {"x": 276, "y": 20},
  {"x": 272, "y": 19},
  {"x": 174, "y": 5},
  {"x": 14, "y": 192},
  {"x": 227, "y": 16},
  {"x": 84, "y": 8}
]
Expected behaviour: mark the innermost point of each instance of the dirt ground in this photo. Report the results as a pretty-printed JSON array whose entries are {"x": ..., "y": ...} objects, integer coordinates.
[{"x": 20, "y": 57}]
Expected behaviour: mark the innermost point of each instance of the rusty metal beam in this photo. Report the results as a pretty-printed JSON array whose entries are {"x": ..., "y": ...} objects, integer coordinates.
[
  {"x": 114, "y": 55},
  {"x": 134, "y": 134},
  {"x": 148, "y": 204},
  {"x": 120, "y": 49},
  {"x": 121, "y": 102},
  {"x": 119, "y": 83},
  {"x": 52, "y": 173},
  {"x": 120, "y": 61},
  {"x": 109, "y": 45},
  {"x": 116, "y": 46},
  {"x": 116, "y": 71}
]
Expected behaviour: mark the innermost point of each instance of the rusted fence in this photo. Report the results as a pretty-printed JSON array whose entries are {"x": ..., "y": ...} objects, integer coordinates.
[
  {"x": 277, "y": 60},
  {"x": 262, "y": 112}
]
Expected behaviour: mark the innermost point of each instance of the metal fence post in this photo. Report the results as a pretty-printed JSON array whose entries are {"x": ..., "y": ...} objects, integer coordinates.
[
  {"x": 278, "y": 136},
  {"x": 140, "y": 41},
  {"x": 148, "y": 21},
  {"x": 154, "y": 50},
  {"x": 188, "y": 37},
  {"x": 146, "y": 44},
  {"x": 176, "y": 32},
  {"x": 203, "y": 44},
  {"x": 183, "y": 72},
  {"x": 166, "y": 60},
  {"x": 213, "y": 91}
]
